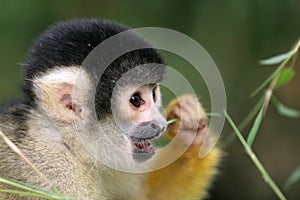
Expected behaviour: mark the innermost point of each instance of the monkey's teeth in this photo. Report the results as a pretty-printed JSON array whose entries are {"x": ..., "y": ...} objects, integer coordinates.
[{"x": 142, "y": 145}]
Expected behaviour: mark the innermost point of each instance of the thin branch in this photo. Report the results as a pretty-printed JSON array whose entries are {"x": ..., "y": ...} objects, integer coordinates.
[
  {"x": 20, "y": 153},
  {"x": 267, "y": 178}
]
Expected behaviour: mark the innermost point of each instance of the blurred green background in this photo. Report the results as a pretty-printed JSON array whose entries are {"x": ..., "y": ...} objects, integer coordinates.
[{"x": 236, "y": 34}]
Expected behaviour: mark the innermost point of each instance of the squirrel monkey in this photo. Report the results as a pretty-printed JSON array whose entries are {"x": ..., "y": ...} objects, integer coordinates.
[{"x": 87, "y": 127}]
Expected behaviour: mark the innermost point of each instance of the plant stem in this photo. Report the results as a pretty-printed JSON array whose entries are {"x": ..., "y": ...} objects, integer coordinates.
[
  {"x": 267, "y": 178},
  {"x": 20, "y": 153},
  {"x": 252, "y": 113}
]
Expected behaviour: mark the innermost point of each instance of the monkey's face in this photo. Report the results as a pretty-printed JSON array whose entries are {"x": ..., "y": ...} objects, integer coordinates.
[
  {"x": 135, "y": 119},
  {"x": 140, "y": 118}
]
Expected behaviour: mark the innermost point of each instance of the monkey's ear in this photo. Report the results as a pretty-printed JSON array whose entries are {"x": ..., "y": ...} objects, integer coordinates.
[{"x": 55, "y": 93}]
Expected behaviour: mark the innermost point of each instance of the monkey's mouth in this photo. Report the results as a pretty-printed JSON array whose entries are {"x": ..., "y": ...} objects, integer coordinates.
[
  {"x": 142, "y": 149},
  {"x": 142, "y": 146}
]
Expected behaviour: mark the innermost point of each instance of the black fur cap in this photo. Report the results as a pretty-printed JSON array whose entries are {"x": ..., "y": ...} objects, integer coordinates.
[{"x": 69, "y": 43}]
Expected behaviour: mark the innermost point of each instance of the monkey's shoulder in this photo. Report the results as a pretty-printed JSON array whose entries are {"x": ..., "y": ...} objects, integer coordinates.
[{"x": 13, "y": 119}]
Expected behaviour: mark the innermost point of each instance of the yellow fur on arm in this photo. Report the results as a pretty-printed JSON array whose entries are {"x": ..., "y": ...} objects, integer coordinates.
[{"x": 187, "y": 178}]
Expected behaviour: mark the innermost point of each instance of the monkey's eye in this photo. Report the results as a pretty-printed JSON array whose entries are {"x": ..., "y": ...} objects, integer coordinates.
[{"x": 136, "y": 100}]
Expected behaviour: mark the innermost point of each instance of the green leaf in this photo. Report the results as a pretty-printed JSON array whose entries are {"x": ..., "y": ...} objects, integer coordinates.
[
  {"x": 21, "y": 193},
  {"x": 255, "y": 160},
  {"x": 294, "y": 177},
  {"x": 31, "y": 190},
  {"x": 255, "y": 127},
  {"x": 276, "y": 59},
  {"x": 285, "y": 77},
  {"x": 253, "y": 112},
  {"x": 284, "y": 110},
  {"x": 269, "y": 79}
]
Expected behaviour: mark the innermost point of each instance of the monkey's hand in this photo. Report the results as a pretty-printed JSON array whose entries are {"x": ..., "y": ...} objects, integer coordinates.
[
  {"x": 189, "y": 176},
  {"x": 191, "y": 121}
]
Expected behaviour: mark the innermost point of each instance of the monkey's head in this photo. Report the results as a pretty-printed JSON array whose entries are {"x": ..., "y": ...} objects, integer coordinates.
[{"x": 114, "y": 110}]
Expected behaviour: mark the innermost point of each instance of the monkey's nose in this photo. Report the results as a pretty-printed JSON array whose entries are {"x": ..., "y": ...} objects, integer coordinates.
[
  {"x": 157, "y": 127},
  {"x": 154, "y": 126}
]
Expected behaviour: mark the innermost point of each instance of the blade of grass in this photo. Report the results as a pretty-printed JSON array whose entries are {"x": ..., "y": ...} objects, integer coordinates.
[
  {"x": 22, "y": 186},
  {"x": 162, "y": 141},
  {"x": 171, "y": 121},
  {"x": 214, "y": 115},
  {"x": 267, "y": 178},
  {"x": 275, "y": 59},
  {"x": 290, "y": 55},
  {"x": 255, "y": 127},
  {"x": 294, "y": 177},
  {"x": 19, "y": 184},
  {"x": 31, "y": 189},
  {"x": 286, "y": 76},
  {"x": 242, "y": 125},
  {"x": 19, "y": 153},
  {"x": 269, "y": 79},
  {"x": 284, "y": 110},
  {"x": 28, "y": 194},
  {"x": 296, "y": 46}
]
